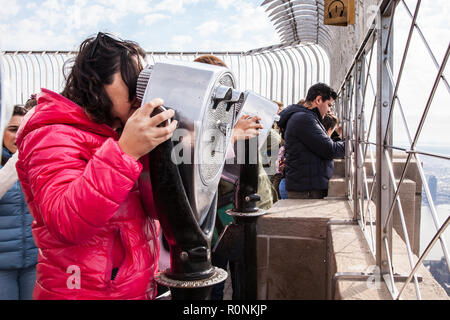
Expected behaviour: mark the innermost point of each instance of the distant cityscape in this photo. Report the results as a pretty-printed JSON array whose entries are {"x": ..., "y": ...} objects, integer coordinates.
[
  {"x": 439, "y": 187},
  {"x": 437, "y": 173},
  {"x": 439, "y": 270}
]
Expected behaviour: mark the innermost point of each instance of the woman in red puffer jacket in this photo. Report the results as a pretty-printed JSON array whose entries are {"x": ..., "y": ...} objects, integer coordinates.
[{"x": 78, "y": 166}]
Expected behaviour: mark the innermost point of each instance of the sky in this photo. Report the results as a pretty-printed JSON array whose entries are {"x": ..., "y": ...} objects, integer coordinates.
[
  {"x": 157, "y": 25},
  {"x": 224, "y": 25}
]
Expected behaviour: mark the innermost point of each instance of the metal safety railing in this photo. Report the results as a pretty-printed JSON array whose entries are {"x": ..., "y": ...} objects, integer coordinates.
[
  {"x": 366, "y": 102},
  {"x": 280, "y": 72}
]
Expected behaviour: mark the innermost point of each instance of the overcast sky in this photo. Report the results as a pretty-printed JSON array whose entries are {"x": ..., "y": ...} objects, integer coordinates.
[{"x": 221, "y": 25}]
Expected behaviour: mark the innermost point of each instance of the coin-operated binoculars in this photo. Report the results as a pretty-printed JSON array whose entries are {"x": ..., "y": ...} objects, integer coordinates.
[
  {"x": 237, "y": 242},
  {"x": 185, "y": 171}
]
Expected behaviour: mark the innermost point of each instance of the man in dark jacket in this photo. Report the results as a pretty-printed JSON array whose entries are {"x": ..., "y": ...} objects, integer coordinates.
[{"x": 309, "y": 150}]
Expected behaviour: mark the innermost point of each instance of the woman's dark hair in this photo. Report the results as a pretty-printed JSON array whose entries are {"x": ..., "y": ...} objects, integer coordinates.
[
  {"x": 320, "y": 89},
  {"x": 329, "y": 121},
  {"x": 18, "y": 110},
  {"x": 98, "y": 59},
  {"x": 30, "y": 103}
]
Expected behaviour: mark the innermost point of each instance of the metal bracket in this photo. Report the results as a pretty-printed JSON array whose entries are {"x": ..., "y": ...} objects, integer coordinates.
[{"x": 364, "y": 276}]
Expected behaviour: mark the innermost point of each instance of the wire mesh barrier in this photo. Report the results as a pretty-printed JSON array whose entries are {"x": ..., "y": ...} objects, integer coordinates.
[
  {"x": 281, "y": 72},
  {"x": 367, "y": 101}
]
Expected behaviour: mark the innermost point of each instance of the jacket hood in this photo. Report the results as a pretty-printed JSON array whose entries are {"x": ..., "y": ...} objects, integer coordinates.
[
  {"x": 53, "y": 108},
  {"x": 287, "y": 113},
  {"x": 6, "y": 154}
]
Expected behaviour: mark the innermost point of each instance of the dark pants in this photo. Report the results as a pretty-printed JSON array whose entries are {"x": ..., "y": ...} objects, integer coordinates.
[
  {"x": 17, "y": 284},
  {"x": 312, "y": 194}
]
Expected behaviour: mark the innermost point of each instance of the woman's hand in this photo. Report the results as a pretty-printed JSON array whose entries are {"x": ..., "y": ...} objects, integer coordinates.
[
  {"x": 246, "y": 127},
  {"x": 141, "y": 133}
]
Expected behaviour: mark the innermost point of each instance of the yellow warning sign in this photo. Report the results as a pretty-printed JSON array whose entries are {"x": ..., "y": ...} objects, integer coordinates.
[{"x": 339, "y": 12}]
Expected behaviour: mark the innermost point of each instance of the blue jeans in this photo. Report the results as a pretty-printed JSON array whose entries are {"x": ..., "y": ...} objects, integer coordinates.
[
  {"x": 17, "y": 284},
  {"x": 282, "y": 187}
]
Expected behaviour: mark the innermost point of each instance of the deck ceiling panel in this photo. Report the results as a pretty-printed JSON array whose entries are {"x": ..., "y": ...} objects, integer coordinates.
[{"x": 299, "y": 21}]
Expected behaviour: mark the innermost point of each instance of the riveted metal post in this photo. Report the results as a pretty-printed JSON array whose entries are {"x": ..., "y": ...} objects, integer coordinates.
[
  {"x": 358, "y": 134},
  {"x": 349, "y": 136},
  {"x": 384, "y": 136}
]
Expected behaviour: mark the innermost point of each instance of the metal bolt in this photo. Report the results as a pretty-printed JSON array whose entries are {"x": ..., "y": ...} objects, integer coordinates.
[
  {"x": 385, "y": 104},
  {"x": 184, "y": 255},
  {"x": 247, "y": 198},
  {"x": 384, "y": 263},
  {"x": 384, "y": 187},
  {"x": 385, "y": 26}
]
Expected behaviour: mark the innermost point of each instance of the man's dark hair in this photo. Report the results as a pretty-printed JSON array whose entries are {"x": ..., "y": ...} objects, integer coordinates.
[
  {"x": 19, "y": 110},
  {"x": 98, "y": 59},
  {"x": 320, "y": 89}
]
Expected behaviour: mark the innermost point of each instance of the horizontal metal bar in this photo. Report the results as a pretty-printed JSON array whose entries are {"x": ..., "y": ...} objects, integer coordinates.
[
  {"x": 431, "y": 154},
  {"x": 362, "y": 276}
]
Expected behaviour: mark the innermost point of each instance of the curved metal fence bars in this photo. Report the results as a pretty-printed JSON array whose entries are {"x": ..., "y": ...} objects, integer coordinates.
[
  {"x": 280, "y": 72},
  {"x": 366, "y": 102}
]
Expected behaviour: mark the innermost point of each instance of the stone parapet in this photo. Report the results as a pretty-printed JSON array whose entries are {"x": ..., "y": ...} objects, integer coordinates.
[
  {"x": 348, "y": 254},
  {"x": 292, "y": 248},
  {"x": 304, "y": 244}
]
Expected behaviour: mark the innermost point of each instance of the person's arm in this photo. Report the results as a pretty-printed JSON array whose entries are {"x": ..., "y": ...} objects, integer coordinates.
[
  {"x": 310, "y": 133},
  {"x": 76, "y": 193},
  {"x": 8, "y": 175}
]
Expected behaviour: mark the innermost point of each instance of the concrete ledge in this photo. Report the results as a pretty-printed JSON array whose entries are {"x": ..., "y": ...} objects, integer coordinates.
[
  {"x": 337, "y": 186},
  {"x": 302, "y": 244},
  {"x": 348, "y": 252},
  {"x": 398, "y": 164},
  {"x": 410, "y": 205},
  {"x": 292, "y": 248}
]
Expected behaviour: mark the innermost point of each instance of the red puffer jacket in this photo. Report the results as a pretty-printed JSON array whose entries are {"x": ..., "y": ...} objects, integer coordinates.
[{"x": 81, "y": 189}]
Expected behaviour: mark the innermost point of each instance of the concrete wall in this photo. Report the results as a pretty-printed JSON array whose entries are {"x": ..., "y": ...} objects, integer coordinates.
[
  {"x": 292, "y": 248},
  {"x": 410, "y": 194},
  {"x": 349, "y": 254},
  {"x": 348, "y": 39},
  {"x": 304, "y": 245}
]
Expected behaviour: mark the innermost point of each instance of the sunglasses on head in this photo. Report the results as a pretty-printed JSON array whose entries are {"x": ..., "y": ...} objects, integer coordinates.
[{"x": 101, "y": 35}]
